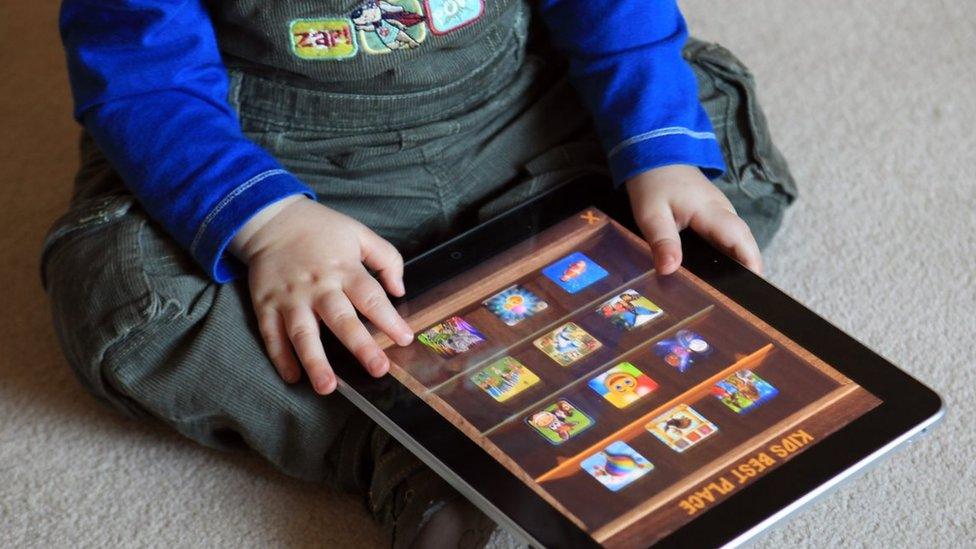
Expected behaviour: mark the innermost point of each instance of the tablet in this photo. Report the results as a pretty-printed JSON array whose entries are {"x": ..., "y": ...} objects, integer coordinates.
[{"x": 581, "y": 399}]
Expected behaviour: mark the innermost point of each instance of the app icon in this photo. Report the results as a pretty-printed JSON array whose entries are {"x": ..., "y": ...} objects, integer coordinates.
[
  {"x": 743, "y": 391},
  {"x": 617, "y": 465},
  {"x": 574, "y": 272},
  {"x": 682, "y": 350},
  {"x": 559, "y": 422},
  {"x": 623, "y": 385},
  {"x": 681, "y": 428},
  {"x": 514, "y": 304},
  {"x": 451, "y": 337},
  {"x": 504, "y": 379},
  {"x": 629, "y": 310},
  {"x": 567, "y": 344}
]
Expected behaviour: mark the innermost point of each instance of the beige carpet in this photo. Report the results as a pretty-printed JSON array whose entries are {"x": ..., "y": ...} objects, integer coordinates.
[{"x": 874, "y": 104}]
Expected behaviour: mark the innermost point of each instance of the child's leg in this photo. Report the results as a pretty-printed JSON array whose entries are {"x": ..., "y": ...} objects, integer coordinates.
[{"x": 146, "y": 332}]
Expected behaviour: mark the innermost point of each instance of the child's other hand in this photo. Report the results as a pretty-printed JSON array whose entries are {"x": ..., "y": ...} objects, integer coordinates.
[
  {"x": 308, "y": 262},
  {"x": 665, "y": 200}
]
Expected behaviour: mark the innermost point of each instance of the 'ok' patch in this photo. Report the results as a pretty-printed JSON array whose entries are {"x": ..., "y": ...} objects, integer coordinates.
[{"x": 444, "y": 16}]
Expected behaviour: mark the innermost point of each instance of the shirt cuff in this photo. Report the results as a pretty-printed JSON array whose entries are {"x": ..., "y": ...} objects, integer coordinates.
[
  {"x": 666, "y": 147},
  {"x": 209, "y": 246}
]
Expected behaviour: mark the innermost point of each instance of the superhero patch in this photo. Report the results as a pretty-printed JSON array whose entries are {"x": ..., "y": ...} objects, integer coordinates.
[
  {"x": 444, "y": 16},
  {"x": 323, "y": 39},
  {"x": 387, "y": 25}
]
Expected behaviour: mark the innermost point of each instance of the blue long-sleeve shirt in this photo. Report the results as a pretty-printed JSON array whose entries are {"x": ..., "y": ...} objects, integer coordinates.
[{"x": 149, "y": 85}]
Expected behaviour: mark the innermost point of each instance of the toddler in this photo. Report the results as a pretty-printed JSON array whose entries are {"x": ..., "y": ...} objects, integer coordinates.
[{"x": 247, "y": 164}]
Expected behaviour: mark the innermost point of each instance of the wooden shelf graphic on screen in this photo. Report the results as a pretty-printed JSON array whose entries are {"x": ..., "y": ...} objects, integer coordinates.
[
  {"x": 628, "y": 354},
  {"x": 571, "y": 465}
]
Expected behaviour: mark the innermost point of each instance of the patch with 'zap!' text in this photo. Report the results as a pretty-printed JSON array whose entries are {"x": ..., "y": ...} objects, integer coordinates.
[{"x": 323, "y": 39}]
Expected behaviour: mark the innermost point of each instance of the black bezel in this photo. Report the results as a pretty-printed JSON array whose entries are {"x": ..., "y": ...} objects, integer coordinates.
[{"x": 906, "y": 402}]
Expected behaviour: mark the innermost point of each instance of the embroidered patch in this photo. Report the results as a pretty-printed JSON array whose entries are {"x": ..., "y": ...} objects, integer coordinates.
[
  {"x": 323, "y": 39},
  {"x": 384, "y": 26},
  {"x": 444, "y": 16}
]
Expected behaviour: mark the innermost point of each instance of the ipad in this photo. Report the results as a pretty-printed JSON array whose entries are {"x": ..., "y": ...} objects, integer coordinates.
[{"x": 580, "y": 399}]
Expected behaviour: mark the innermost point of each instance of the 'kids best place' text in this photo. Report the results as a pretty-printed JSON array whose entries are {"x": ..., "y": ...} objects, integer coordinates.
[{"x": 745, "y": 471}]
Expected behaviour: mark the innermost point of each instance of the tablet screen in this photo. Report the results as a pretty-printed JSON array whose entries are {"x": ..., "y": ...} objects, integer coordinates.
[{"x": 631, "y": 402}]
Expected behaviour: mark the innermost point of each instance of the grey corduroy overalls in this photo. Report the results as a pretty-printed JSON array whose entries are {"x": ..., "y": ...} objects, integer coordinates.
[{"x": 417, "y": 129}]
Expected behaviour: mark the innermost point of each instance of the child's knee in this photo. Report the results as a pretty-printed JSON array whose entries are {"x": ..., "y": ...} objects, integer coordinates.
[{"x": 145, "y": 331}]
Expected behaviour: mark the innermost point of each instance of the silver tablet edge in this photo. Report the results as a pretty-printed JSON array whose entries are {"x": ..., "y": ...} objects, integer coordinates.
[
  {"x": 431, "y": 460},
  {"x": 858, "y": 468}
]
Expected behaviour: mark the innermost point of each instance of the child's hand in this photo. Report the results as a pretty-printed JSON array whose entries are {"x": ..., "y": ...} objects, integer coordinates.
[
  {"x": 668, "y": 199},
  {"x": 308, "y": 262}
]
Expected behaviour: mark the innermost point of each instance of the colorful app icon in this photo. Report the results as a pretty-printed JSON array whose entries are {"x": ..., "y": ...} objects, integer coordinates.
[
  {"x": 451, "y": 337},
  {"x": 617, "y": 465},
  {"x": 623, "y": 385},
  {"x": 567, "y": 344},
  {"x": 681, "y": 428},
  {"x": 504, "y": 379},
  {"x": 444, "y": 16},
  {"x": 681, "y": 351},
  {"x": 629, "y": 310},
  {"x": 574, "y": 272},
  {"x": 323, "y": 39},
  {"x": 559, "y": 422},
  {"x": 743, "y": 391},
  {"x": 387, "y": 25},
  {"x": 514, "y": 304}
]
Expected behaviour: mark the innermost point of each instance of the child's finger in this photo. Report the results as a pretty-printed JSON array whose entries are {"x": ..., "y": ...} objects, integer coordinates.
[
  {"x": 303, "y": 331},
  {"x": 272, "y": 331},
  {"x": 729, "y": 232},
  {"x": 335, "y": 309},
  {"x": 661, "y": 232},
  {"x": 382, "y": 257},
  {"x": 368, "y": 297},
  {"x": 744, "y": 246}
]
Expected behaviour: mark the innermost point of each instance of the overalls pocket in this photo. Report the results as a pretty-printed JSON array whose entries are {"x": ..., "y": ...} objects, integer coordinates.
[
  {"x": 340, "y": 152},
  {"x": 551, "y": 169},
  {"x": 99, "y": 199},
  {"x": 87, "y": 215}
]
